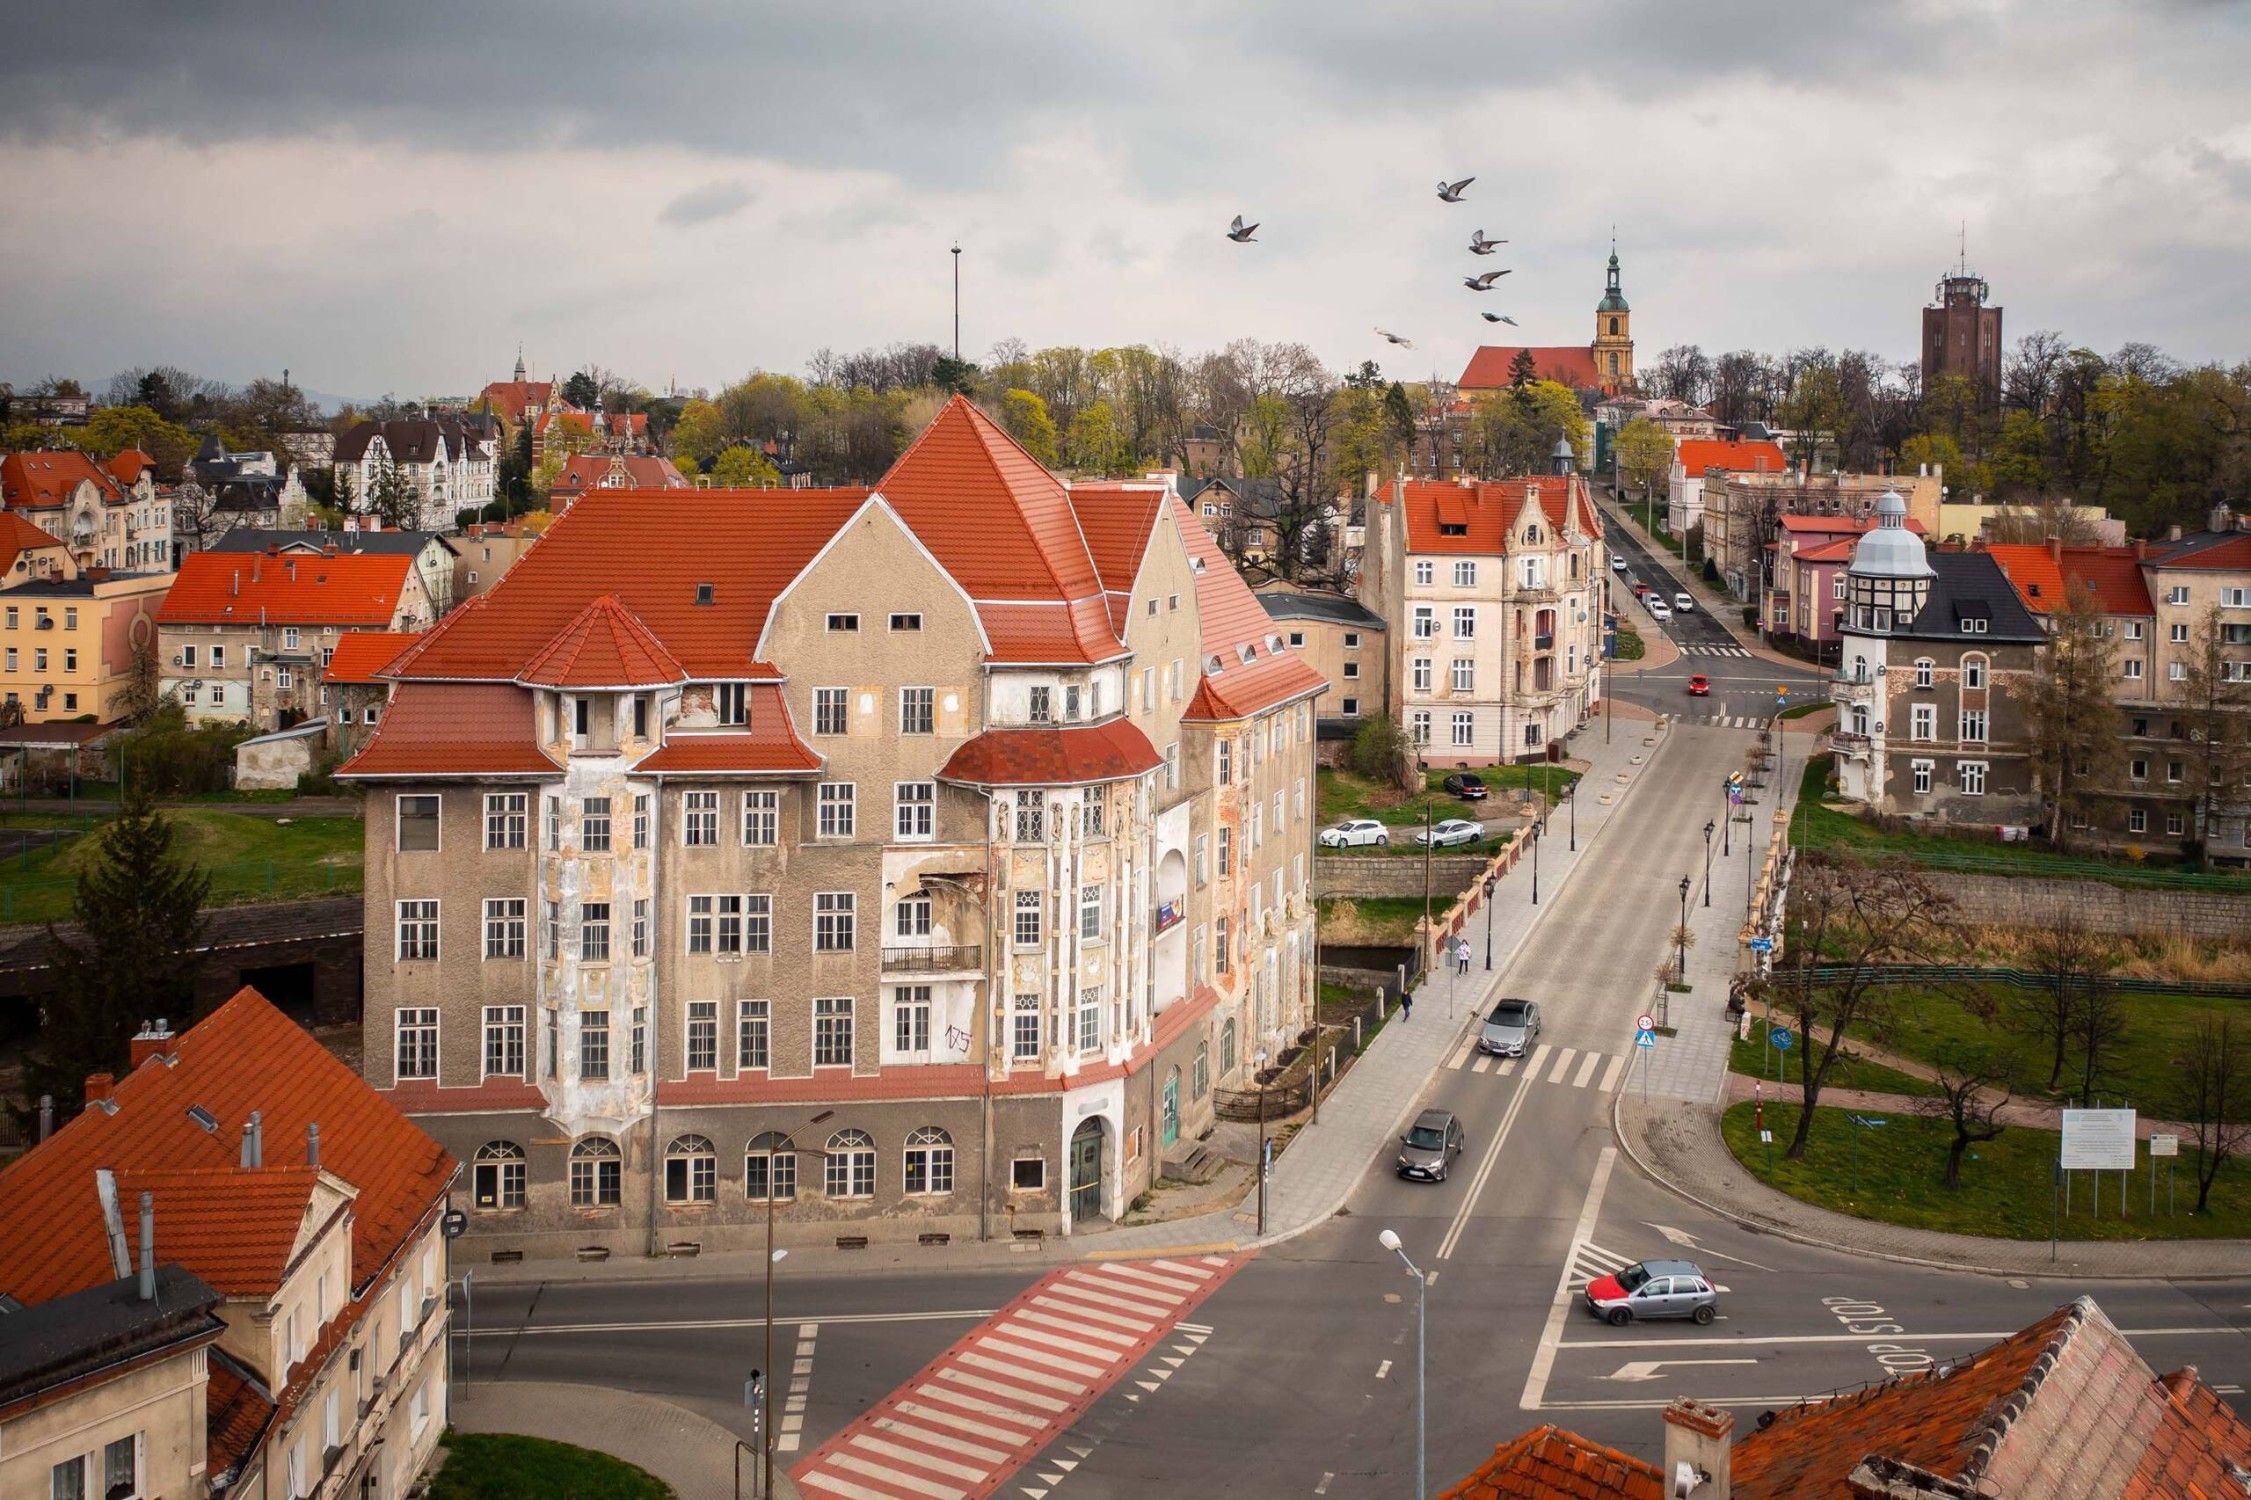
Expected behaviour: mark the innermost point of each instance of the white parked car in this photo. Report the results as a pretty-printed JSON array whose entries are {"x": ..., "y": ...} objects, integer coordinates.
[
  {"x": 1683, "y": 603},
  {"x": 1657, "y": 610},
  {"x": 1617, "y": 564},
  {"x": 1452, "y": 831},
  {"x": 1354, "y": 831}
]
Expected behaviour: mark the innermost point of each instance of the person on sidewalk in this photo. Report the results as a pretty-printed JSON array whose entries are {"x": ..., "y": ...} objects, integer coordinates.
[
  {"x": 1406, "y": 1005},
  {"x": 1461, "y": 955}
]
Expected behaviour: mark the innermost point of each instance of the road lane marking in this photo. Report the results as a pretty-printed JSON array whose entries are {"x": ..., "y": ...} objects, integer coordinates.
[
  {"x": 1646, "y": 1369},
  {"x": 1562, "y": 1064},
  {"x": 1543, "y": 1357},
  {"x": 1461, "y": 1053},
  {"x": 1861, "y": 1338},
  {"x": 1484, "y": 1171},
  {"x": 1383, "y": 1370},
  {"x": 1539, "y": 1056},
  {"x": 1587, "y": 1065},
  {"x": 1610, "y": 1074},
  {"x": 704, "y": 1324}
]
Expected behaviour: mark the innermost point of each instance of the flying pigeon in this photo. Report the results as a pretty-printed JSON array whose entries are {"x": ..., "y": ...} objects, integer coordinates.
[
  {"x": 1387, "y": 334},
  {"x": 1479, "y": 245},
  {"x": 1498, "y": 318},
  {"x": 1240, "y": 232},
  {"x": 1483, "y": 283},
  {"x": 1451, "y": 192}
]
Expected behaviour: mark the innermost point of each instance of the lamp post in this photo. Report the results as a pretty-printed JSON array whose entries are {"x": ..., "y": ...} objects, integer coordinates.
[
  {"x": 1490, "y": 886},
  {"x": 1571, "y": 800},
  {"x": 1258, "y": 1063},
  {"x": 1390, "y": 1241},
  {"x": 1708, "y": 827},
  {"x": 1681, "y": 971},
  {"x": 1535, "y": 864}
]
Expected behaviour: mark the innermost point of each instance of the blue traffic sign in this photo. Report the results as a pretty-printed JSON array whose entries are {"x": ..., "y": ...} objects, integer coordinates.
[
  {"x": 1645, "y": 1038},
  {"x": 1762, "y": 945},
  {"x": 1779, "y": 1038},
  {"x": 1870, "y": 1121}
]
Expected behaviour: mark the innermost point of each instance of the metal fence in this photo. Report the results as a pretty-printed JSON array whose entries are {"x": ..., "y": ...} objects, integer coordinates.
[{"x": 2023, "y": 979}]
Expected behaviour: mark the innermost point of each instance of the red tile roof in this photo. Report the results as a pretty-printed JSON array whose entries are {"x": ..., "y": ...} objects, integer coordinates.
[
  {"x": 1229, "y": 617},
  {"x": 1838, "y": 551},
  {"x": 242, "y": 1222},
  {"x": 624, "y": 471},
  {"x": 18, "y": 536},
  {"x": 361, "y": 655},
  {"x": 1118, "y": 520},
  {"x": 44, "y": 481},
  {"x": 604, "y": 647},
  {"x": 233, "y": 588},
  {"x": 455, "y": 729},
  {"x": 1108, "y": 751},
  {"x": 1569, "y": 364},
  {"x": 510, "y": 398},
  {"x": 1549, "y": 1463},
  {"x": 2042, "y": 579},
  {"x": 244, "y": 1056},
  {"x": 772, "y": 745},
  {"x": 235, "y": 1414},
  {"x": 1735, "y": 455},
  {"x": 128, "y": 466},
  {"x": 2232, "y": 553},
  {"x": 1489, "y": 509}
]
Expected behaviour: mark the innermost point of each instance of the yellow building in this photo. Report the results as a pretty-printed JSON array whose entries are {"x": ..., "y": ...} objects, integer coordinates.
[{"x": 68, "y": 634}]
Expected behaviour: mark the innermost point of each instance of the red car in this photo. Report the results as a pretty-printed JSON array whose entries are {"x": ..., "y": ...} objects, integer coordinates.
[{"x": 1699, "y": 686}]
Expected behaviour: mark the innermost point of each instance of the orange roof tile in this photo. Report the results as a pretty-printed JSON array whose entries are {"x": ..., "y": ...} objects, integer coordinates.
[
  {"x": 1229, "y": 617},
  {"x": 625, "y": 471},
  {"x": 1488, "y": 509},
  {"x": 244, "y": 1056},
  {"x": 18, "y": 536},
  {"x": 1549, "y": 1463},
  {"x": 44, "y": 481},
  {"x": 1490, "y": 368},
  {"x": 236, "y": 1414},
  {"x": 771, "y": 747},
  {"x": 604, "y": 647},
  {"x": 1735, "y": 455},
  {"x": 361, "y": 655},
  {"x": 128, "y": 467},
  {"x": 1118, "y": 520},
  {"x": 240, "y": 1223},
  {"x": 232, "y": 588},
  {"x": 510, "y": 398},
  {"x": 455, "y": 729},
  {"x": 1108, "y": 751},
  {"x": 2042, "y": 579}
]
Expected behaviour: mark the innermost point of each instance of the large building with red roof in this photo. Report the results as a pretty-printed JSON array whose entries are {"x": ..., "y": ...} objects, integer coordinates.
[
  {"x": 914, "y": 859},
  {"x": 108, "y": 514},
  {"x": 1605, "y": 363}
]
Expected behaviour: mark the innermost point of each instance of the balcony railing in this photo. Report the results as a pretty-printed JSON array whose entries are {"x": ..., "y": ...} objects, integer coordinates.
[
  {"x": 944, "y": 960},
  {"x": 1543, "y": 642}
]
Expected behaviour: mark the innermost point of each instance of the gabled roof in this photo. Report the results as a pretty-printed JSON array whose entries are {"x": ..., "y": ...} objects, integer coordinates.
[
  {"x": 604, "y": 647},
  {"x": 1838, "y": 551},
  {"x": 244, "y": 1223},
  {"x": 1549, "y": 1463},
  {"x": 2042, "y": 576},
  {"x": 618, "y": 471},
  {"x": 1567, "y": 364},
  {"x": 389, "y": 540},
  {"x": 455, "y": 729},
  {"x": 128, "y": 466},
  {"x": 511, "y": 397},
  {"x": 361, "y": 655},
  {"x": 1118, "y": 521},
  {"x": 44, "y": 481},
  {"x": 18, "y": 536},
  {"x": 232, "y": 588},
  {"x": 412, "y": 440},
  {"x": 769, "y": 746},
  {"x": 1697, "y": 455},
  {"x": 1488, "y": 509},
  {"x": 1970, "y": 585},
  {"x": 1072, "y": 753},
  {"x": 1229, "y": 620},
  {"x": 2230, "y": 549},
  {"x": 244, "y": 1056}
]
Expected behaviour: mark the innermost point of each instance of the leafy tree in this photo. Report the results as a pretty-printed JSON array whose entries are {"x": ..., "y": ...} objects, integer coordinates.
[
  {"x": 1093, "y": 443},
  {"x": 1933, "y": 448},
  {"x": 2069, "y": 720},
  {"x": 2212, "y": 1092},
  {"x": 144, "y": 679},
  {"x": 1401, "y": 413},
  {"x": 1512, "y": 432},
  {"x": 700, "y": 435},
  {"x": 742, "y": 467},
  {"x": 956, "y": 375},
  {"x": 1382, "y": 752},
  {"x": 1025, "y": 417},
  {"x": 113, "y": 429},
  {"x": 1645, "y": 454},
  {"x": 583, "y": 391},
  {"x": 139, "y": 914}
]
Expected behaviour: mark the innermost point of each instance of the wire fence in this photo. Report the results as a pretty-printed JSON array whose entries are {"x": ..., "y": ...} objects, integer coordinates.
[
  {"x": 47, "y": 895},
  {"x": 2023, "y": 979}
]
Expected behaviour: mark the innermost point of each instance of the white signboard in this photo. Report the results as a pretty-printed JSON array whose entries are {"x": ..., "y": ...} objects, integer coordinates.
[
  {"x": 2098, "y": 1140},
  {"x": 2164, "y": 1145}
]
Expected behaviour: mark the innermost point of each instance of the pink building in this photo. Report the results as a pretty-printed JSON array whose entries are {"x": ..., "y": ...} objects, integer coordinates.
[{"x": 1811, "y": 554}]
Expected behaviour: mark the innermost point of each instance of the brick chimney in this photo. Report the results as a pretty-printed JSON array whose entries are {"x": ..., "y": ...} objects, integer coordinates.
[
  {"x": 98, "y": 1086},
  {"x": 2141, "y": 549},
  {"x": 1698, "y": 1436},
  {"x": 2055, "y": 548},
  {"x": 153, "y": 1040}
]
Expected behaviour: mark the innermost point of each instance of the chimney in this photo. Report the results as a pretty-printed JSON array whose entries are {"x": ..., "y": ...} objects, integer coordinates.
[
  {"x": 150, "y": 1041},
  {"x": 2141, "y": 549},
  {"x": 98, "y": 1086},
  {"x": 292, "y": 566},
  {"x": 46, "y": 1116},
  {"x": 148, "y": 1247},
  {"x": 253, "y": 1148},
  {"x": 2055, "y": 548},
  {"x": 312, "y": 1144},
  {"x": 2173, "y": 532},
  {"x": 236, "y": 588},
  {"x": 113, "y": 1222},
  {"x": 1696, "y": 1437}
]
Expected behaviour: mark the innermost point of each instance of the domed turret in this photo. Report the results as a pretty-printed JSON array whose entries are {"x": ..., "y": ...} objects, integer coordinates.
[{"x": 1890, "y": 575}]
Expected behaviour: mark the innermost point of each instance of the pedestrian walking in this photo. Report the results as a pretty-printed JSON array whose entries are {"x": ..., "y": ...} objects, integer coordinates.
[
  {"x": 1406, "y": 1005},
  {"x": 1461, "y": 955}
]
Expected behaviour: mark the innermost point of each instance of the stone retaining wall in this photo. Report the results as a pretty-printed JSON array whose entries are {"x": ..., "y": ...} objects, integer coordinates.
[
  {"x": 2010, "y": 901},
  {"x": 1356, "y": 875}
]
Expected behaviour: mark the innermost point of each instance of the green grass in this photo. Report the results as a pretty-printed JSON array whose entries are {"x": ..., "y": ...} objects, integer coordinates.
[
  {"x": 1341, "y": 794},
  {"x": 1755, "y": 1058},
  {"x": 1630, "y": 647},
  {"x": 1893, "y": 1174},
  {"x": 503, "y": 1466},
  {"x": 1377, "y": 921},
  {"x": 249, "y": 858},
  {"x": 1802, "y": 710}
]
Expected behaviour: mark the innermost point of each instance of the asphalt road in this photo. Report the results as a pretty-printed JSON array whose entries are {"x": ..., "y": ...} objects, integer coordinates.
[{"x": 1306, "y": 1384}]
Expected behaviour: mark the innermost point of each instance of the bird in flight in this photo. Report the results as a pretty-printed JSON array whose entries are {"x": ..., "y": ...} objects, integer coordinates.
[
  {"x": 1483, "y": 283},
  {"x": 1240, "y": 232},
  {"x": 1479, "y": 245},
  {"x": 1388, "y": 335},
  {"x": 1451, "y": 192},
  {"x": 1498, "y": 318}
]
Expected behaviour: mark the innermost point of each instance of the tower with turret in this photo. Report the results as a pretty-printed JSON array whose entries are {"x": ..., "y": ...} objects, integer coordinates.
[{"x": 1613, "y": 332}]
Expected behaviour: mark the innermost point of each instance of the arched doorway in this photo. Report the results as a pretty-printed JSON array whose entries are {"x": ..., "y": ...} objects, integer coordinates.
[
  {"x": 1170, "y": 1134},
  {"x": 1086, "y": 1171}
]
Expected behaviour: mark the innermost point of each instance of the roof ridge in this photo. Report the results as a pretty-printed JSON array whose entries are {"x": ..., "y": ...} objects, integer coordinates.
[
  {"x": 984, "y": 430},
  {"x": 1993, "y": 1424}
]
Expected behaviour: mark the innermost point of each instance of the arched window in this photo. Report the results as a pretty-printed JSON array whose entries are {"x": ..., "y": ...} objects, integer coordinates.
[
  {"x": 691, "y": 1170},
  {"x": 597, "y": 1171},
  {"x": 850, "y": 1169},
  {"x": 1923, "y": 666},
  {"x": 930, "y": 1161},
  {"x": 770, "y": 1169},
  {"x": 1613, "y": 329},
  {"x": 497, "y": 1176},
  {"x": 1973, "y": 671}
]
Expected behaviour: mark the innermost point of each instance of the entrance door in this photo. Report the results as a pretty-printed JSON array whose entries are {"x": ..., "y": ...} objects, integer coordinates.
[
  {"x": 1086, "y": 1172},
  {"x": 1172, "y": 1109}
]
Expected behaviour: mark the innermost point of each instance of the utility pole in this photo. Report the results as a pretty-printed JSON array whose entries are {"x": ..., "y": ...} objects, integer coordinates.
[{"x": 957, "y": 302}]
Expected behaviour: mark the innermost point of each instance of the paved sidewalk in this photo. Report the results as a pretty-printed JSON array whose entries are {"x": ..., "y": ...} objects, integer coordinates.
[
  {"x": 2030, "y": 1114},
  {"x": 1679, "y": 1145},
  {"x": 692, "y": 1454}
]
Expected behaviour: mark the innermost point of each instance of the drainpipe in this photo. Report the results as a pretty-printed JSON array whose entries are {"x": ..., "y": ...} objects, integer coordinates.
[
  {"x": 992, "y": 1012},
  {"x": 655, "y": 1057}
]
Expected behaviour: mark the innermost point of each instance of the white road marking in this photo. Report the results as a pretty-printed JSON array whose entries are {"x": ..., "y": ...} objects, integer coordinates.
[
  {"x": 1193, "y": 1327},
  {"x": 916, "y": 1457},
  {"x": 892, "y": 1476},
  {"x": 1507, "y": 1067},
  {"x": 1539, "y": 1056},
  {"x": 1483, "y": 1064},
  {"x": 1461, "y": 1053},
  {"x": 1646, "y": 1369},
  {"x": 1323, "y": 1487},
  {"x": 1484, "y": 1170},
  {"x": 1855, "y": 1338},
  {"x": 1587, "y": 1065},
  {"x": 1383, "y": 1370},
  {"x": 1033, "y": 1315},
  {"x": 1610, "y": 1074},
  {"x": 1101, "y": 1312},
  {"x": 1562, "y": 1064},
  {"x": 961, "y": 1423},
  {"x": 703, "y": 1324},
  {"x": 996, "y": 1388},
  {"x": 1543, "y": 1357}
]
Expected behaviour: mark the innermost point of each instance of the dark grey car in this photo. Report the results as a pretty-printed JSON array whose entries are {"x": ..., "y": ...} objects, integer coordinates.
[
  {"x": 1430, "y": 1145},
  {"x": 1513, "y": 1026}
]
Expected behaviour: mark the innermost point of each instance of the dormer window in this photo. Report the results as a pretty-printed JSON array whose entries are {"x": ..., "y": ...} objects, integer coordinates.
[
  {"x": 704, "y": 593},
  {"x": 1246, "y": 653},
  {"x": 731, "y": 702}
]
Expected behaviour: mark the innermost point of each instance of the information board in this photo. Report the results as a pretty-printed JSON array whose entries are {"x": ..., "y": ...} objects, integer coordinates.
[{"x": 2098, "y": 1140}]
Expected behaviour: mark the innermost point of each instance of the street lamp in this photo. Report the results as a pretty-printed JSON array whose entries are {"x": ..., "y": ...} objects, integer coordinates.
[
  {"x": 1571, "y": 800},
  {"x": 1709, "y": 825},
  {"x": 1490, "y": 886},
  {"x": 1258, "y": 1064},
  {"x": 1681, "y": 976},
  {"x": 1535, "y": 864},
  {"x": 1390, "y": 1241}
]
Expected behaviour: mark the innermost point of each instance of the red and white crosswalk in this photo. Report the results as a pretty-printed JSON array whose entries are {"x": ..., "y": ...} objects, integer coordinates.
[{"x": 978, "y": 1412}]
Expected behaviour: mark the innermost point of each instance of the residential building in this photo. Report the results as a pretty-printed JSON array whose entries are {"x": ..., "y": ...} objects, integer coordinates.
[
  {"x": 1203, "y": 452},
  {"x": 106, "y": 521},
  {"x": 1697, "y": 459},
  {"x": 436, "y": 558},
  {"x": 1240, "y": 513},
  {"x": 710, "y": 887},
  {"x": 1343, "y": 640},
  {"x": 2067, "y": 1409},
  {"x": 306, "y": 1203},
  {"x": 486, "y": 550},
  {"x": 1605, "y": 363},
  {"x": 450, "y": 462},
  {"x": 611, "y": 471},
  {"x": 1805, "y": 599},
  {"x": 353, "y": 688},
  {"x": 1743, "y": 513},
  {"x": 244, "y": 636},
  {"x": 29, "y": 552},
  {"x": 102, "y": 1391},
  {"x": 1962, "y": 337},
  {"x": 1493, "y": 595},
  {"x": 1682, "y": 423},
  {"x": 222, "y": 492},
  {"x": 1962, "y": 523},
  {"x": 69, "y": 634},
  {"x": 516, "y": 402},
  {"x": 1932, "y": 653}
]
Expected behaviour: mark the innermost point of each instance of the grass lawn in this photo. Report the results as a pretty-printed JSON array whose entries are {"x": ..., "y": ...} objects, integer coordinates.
[
  {"x": 1341, "y": 794},
  {"x": 1893, "y": 1174},
  {"x": 502, "y": 1466},
  {"x": 1755, "y": 1058},
  {"x": 1810, "y": 706},
  {"x": 1376, "y": 921},
  {"x": 249, "y": 858},
  {"x": 1630, "y": 647}
]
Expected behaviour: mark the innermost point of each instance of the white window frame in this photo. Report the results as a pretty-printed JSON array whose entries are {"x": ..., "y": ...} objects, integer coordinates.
[{"x": 914, "y": 811}]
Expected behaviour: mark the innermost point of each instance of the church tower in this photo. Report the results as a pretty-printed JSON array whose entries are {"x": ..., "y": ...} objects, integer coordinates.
[
  {"x": 520, "y": 360},
  {"x": 1613, "y": 333}
]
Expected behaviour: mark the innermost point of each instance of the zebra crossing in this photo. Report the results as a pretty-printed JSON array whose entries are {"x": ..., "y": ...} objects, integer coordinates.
[
  {"x": 1590, "y": 1260},
  {"x": 1698, "y": 650},
  {"x": 1545, "y": 1064},
  {"x": 1729, "y": 721},
  {"x": 975, "y": 1415}
]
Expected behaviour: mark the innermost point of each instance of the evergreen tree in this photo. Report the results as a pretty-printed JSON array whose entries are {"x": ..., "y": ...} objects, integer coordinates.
[
  {"x": 1522, "y": 370},
  {"x": 139, "y": 910}
]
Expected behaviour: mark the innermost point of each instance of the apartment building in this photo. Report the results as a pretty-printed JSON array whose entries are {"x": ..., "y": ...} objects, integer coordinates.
[
  {"x": 1696, "y": 460},
  {"x": 1743, "y": 513},
  {"x": 436, "y": 557},
  {"x": 717, "y": 884},
  {"x": 286, "y": 1199},
  {"x": 108, "y": 515},
  {"x": 1343, "y": 640},
  {"x": 1493, "y": 595},
  {"x": 486, "y": 550},
  {"x": 68, "y": 633},
  {"x": 244, "y": 636},
  {"x": 450, "y": 462},
  {"x": 1804, "y": 603}
]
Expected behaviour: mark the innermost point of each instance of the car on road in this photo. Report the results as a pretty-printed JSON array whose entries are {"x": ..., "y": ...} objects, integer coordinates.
[
  {"x": 1683, "y": 603},
  {"x": 1510, "y": 1027},
  {"x": 1641, "y": 590},
  {"x": 1355, "y": 831},
  {"x": 1699, "y": 686},
  {"x": 1617, "y": 564},
  {"x": 1452, "y": 831},
  {"x": 1657, "y": 610},
  {"x": 1654, "y": 1289},
  {"x": 1428, "y": 1149},
  {"x": 1466, "y": 787}
]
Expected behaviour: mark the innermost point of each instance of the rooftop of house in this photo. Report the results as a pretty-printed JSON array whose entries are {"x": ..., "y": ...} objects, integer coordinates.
[
  {"x": 386, "y": 541},
  {"x": 2207, "y": 549},
  {"x": 414, "y": 440},
  {"x": 1493, "y": 366},
  {"x": 361, "y": 655},
  {"x": 1971, "y": 586},
  {"x": 625, "y": 471},
  {"x": 2043, "y": 575},
  {"x": 47, "y": 480},
  {"x": 1475, "y": 518},
  {"x": 1333, "y": 609},
  {"x": 18, "y": 536},
  {"x": 55, "y": 1344},
  {"x": 1701, "y": 455},
  {"x": 1551, "y": 1463},
  {"x": 234, "y": 588}
]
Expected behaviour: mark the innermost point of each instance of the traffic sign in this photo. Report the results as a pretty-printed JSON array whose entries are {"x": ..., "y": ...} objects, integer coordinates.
[
  {"x": 1762, "y": 945},
  {"x": 1644, "y": 1023},
  {"x": 1779, "y": 1038},
  {"x": 1645, "y": 1038},
  {"x": 453, "y": 1223},
  {"x": 1782, "y": 690}
]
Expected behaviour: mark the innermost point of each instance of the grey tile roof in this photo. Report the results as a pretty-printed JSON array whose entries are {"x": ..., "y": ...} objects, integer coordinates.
[
  {"x": 69, "y": 1337},
  {"x": 1334, "y": 608},
  {"x": 380, "y": 543},
  {"x": 1971, "y": 585}
]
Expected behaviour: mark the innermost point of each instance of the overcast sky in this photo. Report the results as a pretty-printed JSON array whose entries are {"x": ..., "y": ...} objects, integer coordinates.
[{"x": 388, "y": 197}]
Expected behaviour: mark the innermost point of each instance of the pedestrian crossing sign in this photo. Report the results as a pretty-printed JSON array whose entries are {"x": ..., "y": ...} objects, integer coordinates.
[{"x": 1645, "y": 1038}]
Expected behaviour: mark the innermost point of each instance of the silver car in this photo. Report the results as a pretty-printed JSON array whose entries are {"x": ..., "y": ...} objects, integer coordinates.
[
  {"x": 1430, "y": 1145},
  {"x": 1451, "y": 831},
  {"x": 1513, "y": 1026},
  {"x": 1654, "y": 1289}
]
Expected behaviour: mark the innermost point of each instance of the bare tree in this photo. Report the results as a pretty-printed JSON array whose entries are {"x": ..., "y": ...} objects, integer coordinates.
[
  {"x": 2031, "y": 374},
  {"x": 2050, "y": 516},
  {"x": 2068, "y": 956},
  {"x": 2212, "y": 1092},
  {"x": 1973, "y": 1089},
  {"x": 2068, "y": 717},
  {"x": 2098, "y": 1019}
]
